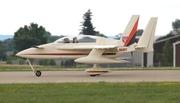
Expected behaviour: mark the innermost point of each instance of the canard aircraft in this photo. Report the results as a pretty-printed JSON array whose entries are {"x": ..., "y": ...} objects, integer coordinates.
[{"x": 102, "y": 51}]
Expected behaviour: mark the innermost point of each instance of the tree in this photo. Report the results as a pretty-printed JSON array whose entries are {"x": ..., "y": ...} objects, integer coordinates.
[
  {"x": 139, "y": 32},
  {"x": 166, "y": 58},
  {"x": 68, "y": 63},
  {"x": 2, "y": 52},
  {"x": 176, "y": 24},
  {"x": 51, "y": 38},
  {"x": 165, "y": 36},
  {"x": 54, "y": 38},
  {"x": 87, "y": 26},
  {"x": 52, "y": 62},
  {"x": 47, "y": 34},
  {"x": 44, "y": 62},
  {"x": 47, "y": 62},
  {"x": 28, "y": 36},
  {"x": 2, "y": 55},
  {"x": 8, "y": 44},
  {"x": 100, "y": 34},
  {"x": 118, "y": 36},
  {"x": 62, "y": 63}
]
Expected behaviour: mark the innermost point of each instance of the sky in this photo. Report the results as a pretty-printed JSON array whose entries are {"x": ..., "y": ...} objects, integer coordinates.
[{"x": 63, "y": 17}]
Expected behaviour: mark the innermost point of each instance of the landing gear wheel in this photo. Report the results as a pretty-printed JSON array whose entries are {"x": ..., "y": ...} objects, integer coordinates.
[
  {"x": 92, "y": 75},
  {"x": 38, "y": 73}
]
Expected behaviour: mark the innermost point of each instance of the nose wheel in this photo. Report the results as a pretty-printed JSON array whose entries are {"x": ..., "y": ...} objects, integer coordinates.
[{"x": 38, "y": 73}]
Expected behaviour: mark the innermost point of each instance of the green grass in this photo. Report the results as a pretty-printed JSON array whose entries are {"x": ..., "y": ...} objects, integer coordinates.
[{"x": 102, "y": 92}]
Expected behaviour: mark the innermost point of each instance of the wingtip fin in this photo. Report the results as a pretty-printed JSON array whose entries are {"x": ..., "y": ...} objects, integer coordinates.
[
  {"x": 145, "y": 43},
  {"x": 130, "y": 30}
]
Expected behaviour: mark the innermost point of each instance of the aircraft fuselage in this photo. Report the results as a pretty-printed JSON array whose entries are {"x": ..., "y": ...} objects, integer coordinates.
[{"x": 55, "y": 51}]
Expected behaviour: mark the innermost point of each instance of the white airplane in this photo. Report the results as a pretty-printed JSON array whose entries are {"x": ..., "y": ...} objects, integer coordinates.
[{"x": 102, "y": 51}]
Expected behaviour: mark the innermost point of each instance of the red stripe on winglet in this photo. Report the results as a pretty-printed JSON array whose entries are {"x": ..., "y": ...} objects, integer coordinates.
[{"x": 133, "y": 31}]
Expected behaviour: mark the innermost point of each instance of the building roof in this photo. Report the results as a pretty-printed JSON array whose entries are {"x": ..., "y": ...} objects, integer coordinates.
[
  {"x": 167, "y": 39},
  {"x": 178, "y": 42}
]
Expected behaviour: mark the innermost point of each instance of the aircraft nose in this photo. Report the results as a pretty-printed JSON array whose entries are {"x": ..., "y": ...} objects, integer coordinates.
[{"x": 19, "y": 54}]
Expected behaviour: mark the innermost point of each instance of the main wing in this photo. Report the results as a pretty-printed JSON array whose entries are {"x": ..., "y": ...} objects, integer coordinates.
[{"x": 95, "y": 57}]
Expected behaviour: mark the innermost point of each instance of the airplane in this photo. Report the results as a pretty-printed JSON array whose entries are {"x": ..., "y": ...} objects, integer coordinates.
[{"x": 102, "y": 51}]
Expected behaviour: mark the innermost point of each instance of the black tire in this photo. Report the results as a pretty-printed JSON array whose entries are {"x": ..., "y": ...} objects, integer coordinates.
[
  {"x": 38, "y": 73},
  {"x": 92, "y": 75}
]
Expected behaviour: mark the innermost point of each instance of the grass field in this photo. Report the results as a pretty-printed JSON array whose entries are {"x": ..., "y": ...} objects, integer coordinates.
[{"x": 102, "y": 92}]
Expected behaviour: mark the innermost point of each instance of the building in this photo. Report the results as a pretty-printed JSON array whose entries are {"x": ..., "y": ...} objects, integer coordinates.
[
  {"x": 158, "y": 48},
  {"x": 176, "y": 54}
]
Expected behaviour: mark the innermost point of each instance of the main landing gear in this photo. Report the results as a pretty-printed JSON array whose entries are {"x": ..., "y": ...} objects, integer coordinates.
[
  {"x": 93, "y": 75},
  {"x": 96, "y": 70},
  {"x": 38, "y": 72}
]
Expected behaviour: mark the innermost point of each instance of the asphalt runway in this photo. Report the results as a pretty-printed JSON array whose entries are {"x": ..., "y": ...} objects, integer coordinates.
[{"x": 81, "y": 76}]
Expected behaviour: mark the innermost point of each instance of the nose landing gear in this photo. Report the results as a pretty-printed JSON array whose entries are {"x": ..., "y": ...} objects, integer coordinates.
[{"x": 38, "y": 72}]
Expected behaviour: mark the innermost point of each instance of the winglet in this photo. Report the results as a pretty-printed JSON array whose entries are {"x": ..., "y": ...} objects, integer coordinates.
[
  {"x": 129, "y": 32},
  {"x": 145, "y": 43}
]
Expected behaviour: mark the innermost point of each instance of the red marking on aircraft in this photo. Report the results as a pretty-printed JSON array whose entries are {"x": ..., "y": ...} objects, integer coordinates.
[{"x": 133, "y": 31}]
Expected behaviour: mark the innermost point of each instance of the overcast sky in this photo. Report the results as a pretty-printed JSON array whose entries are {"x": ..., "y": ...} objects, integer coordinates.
[{"x": 63, "y": 17}]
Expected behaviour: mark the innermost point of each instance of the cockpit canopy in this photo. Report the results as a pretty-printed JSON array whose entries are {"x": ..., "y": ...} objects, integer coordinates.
[{"x": 77, "y": 39}]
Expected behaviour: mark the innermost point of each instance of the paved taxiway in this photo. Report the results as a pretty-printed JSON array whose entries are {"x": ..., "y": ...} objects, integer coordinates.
[{"x": 81, "y": 76}]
